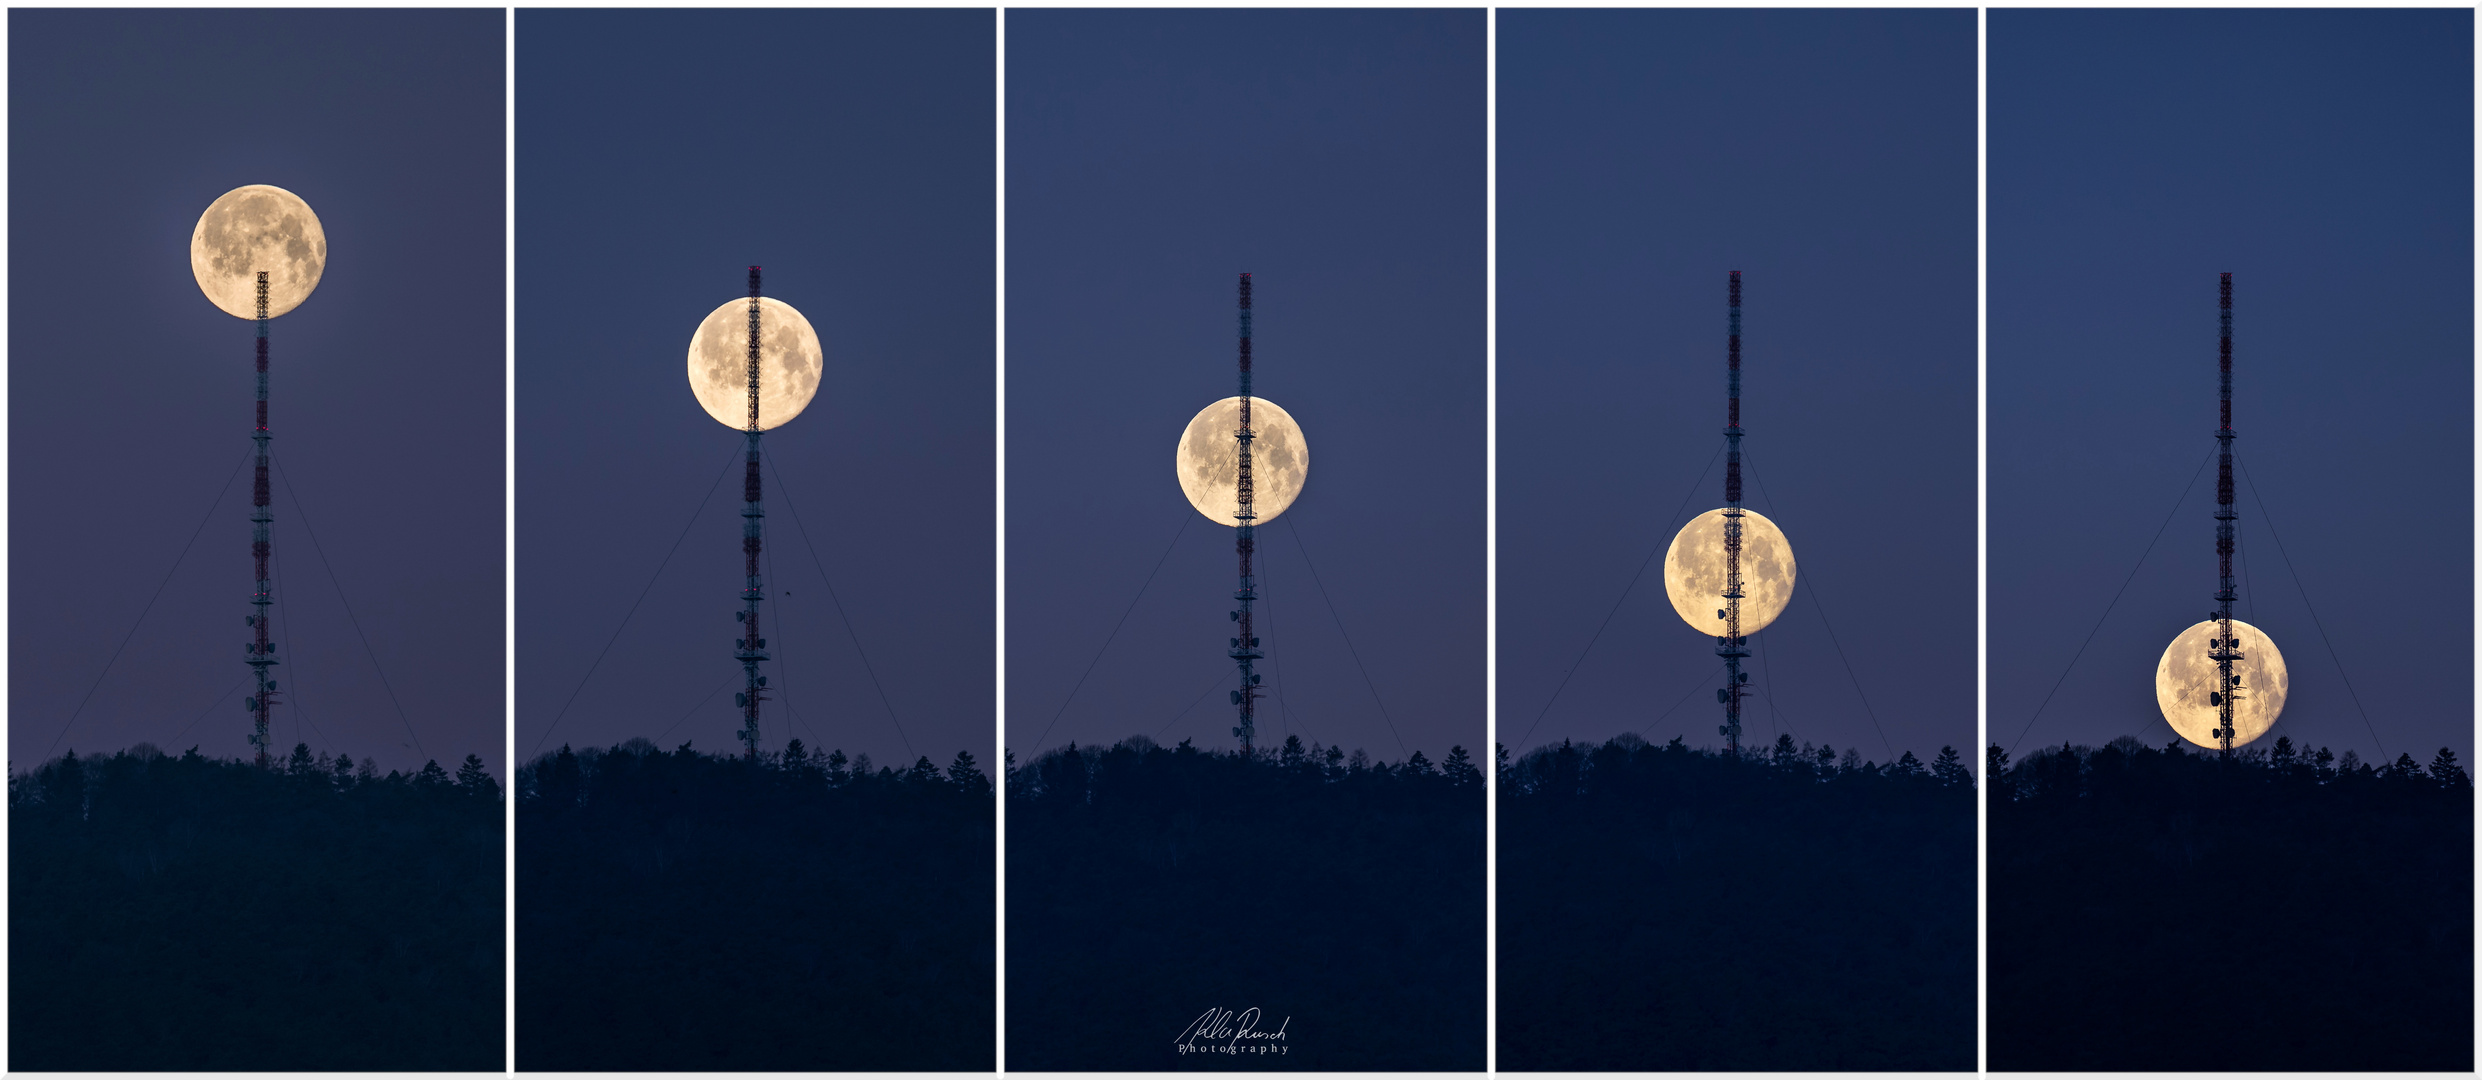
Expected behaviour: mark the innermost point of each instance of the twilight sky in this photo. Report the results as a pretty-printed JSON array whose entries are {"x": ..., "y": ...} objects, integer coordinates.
[
  {"x": 1339, "y": 157},
  {"x": 850, "y": 153},
  {"x": 1829, "y": 157},
  {"x": 2325, "y": 160},
  {"x": 386, "y": 385}
]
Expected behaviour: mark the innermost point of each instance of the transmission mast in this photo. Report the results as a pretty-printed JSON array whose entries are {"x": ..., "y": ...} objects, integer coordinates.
[
  {"x": 750, "y": 648},
  {"x": 1245, "y": 542},
  {"x": 1732, "y": 646},
  {"x": 262, "y": 651},
  {"x": 2226, "y": 648}
]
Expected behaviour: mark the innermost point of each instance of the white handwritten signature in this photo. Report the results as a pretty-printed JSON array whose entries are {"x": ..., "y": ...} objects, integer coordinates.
[{"x": 1235, "y": 1032}]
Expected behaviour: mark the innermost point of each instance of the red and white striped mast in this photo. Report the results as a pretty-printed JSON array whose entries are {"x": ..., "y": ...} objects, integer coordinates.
[
  {"x": 261, "y": 650},
  {"x": 750, "y": 648},
  {"x": 1245, "y": 652},
  {"x": 2226, "y": 648},
  {"x": 1732, "y": 645}
]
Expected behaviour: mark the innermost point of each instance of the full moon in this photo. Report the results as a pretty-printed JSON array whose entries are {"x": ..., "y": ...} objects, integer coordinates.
[
  {"x": 2187, "y": 674},
  {"x": 1693, "y": 572},
  {"x": 789, "y": 362},
  {"x": 254, "y": 228},
  {"x": 1208, "y": 460}
]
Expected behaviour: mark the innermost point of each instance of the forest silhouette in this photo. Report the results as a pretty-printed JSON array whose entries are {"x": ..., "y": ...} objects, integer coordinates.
[
  {"x": 689, "y": 911},
  {"x": 1339, "y": 896},
  {"x": 195, "y": 914},
  {"x": 1786, "y": 909},
  {"x": 2167, "y": 909}
]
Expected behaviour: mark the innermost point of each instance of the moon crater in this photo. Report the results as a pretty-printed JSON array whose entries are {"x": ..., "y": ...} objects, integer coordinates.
[
  {"x": 1693, "y": 572},
  {"x": 252, "y": 228},
  {"x": 1208, "y": 460},
  {"x": 789, "y": 363},
  {"x": 2186, "y": 675}
]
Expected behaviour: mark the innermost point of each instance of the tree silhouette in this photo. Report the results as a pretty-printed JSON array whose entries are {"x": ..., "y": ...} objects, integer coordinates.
[
  {"x": 2321, "y": 910},
  {"x": 683, "y": 911},
  {"x": 472, "y": 779},
  {"x": 2445, "y": 772},
  {"x": 193, "y": 914},
  {"x": 1670, "y": 908},
  {"x": 963, "y": 773},
  {"x": 1950, "y": 769},
  {"x": 1147, "y": 884},
  {"x": 562, "y": 783}
]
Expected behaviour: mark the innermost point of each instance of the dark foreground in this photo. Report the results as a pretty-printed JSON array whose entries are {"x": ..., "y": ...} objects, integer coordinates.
[
  {"x": 185, "y": 913},
  {"x": 2171, "y": 911},
  {"x": 1341, "y": 899},
  {"x": 680, "y": 911},
  {"x": 1667, "y": 908}
]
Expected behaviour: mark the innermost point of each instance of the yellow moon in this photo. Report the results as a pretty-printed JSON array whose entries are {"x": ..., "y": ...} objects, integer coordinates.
[
  {"x": 1208, "y": 460},
  {"x": 254, "y": 228},
  {"x": 1693, "y": 572},
  {"x": 2187, "y": 674},
  {"x": 789, "y": 363}
]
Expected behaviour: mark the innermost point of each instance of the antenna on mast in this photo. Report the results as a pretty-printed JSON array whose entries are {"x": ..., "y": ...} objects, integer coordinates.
[
  {"x": 262, "y": 651},
  {"x": 750, "y": 648},
  {"x": 1245, "y": 542},
  {"x": 2226, "y": 648},
  {"x": 1733, "y": 646}
]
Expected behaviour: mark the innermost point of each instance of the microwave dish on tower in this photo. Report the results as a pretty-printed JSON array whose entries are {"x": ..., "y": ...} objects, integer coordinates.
[
  {"x": 1694, "y": 572},
  {"x": 2188, "y": 683},
  {"x": 1731, "y": 560},
  {"x": 1242, "y": 461},
  {"x": 2221, "y": 683}
]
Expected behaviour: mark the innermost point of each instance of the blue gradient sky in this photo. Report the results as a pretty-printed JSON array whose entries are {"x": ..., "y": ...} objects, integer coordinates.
[
  {"x": 130, "y": 394},
  {"x": 1829, "y": 156},
  {"x": 1339, "y": 157},
  {"x": 851, "y": 153},
  {"x": 2325, "y": 159}
]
